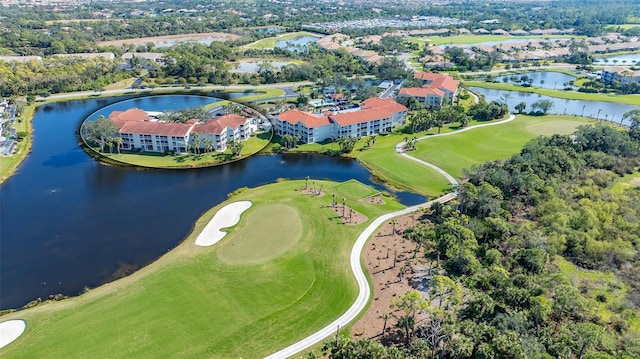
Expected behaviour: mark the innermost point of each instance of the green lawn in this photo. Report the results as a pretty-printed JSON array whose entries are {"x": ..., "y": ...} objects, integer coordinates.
[
  {"x": 158, "y": 160},
  {"x": 270, "y": 42},
  {"x": 628, "y": 181},
  {"x": 190, "y": 304},
  {"x": 8, "y": 165},
  {"x": 399, "y": 171},
  {"x": 457, "y": 152},
  {"x": 570, "y": 95},
  {"x": 622, "y": 26}
]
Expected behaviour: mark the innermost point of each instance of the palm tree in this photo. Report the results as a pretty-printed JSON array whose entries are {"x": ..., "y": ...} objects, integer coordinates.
[
  {"x": 118, "y": 141},
  {"x": 195, "y": 142}
]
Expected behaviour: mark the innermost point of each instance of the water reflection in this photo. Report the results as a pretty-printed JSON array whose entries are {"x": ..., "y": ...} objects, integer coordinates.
[
  {"x": 601, "y": 110},
  {"x": 69, "y": 222}
]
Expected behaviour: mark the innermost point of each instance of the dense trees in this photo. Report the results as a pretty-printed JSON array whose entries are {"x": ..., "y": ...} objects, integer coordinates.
[
  {"x": 509, "y": 242},
  {"x": 101, "y": 132},
  {"x": 54, "y": 75}
]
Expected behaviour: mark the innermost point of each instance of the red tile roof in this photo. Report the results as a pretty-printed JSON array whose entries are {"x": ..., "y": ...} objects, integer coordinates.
[
  {"x": 380, "y": 103},
  {"x": 361, "y": 116},
  {"x": 133, "y": 114},
  {"x": 156, "y": 128},
  {"x": 420, "y": 91},
  {"x": 371, "y": 109},
  {"x": 216, "y": 125},
  {"x": 443, "y": 82},
  {"x": 308, "y": 119}
]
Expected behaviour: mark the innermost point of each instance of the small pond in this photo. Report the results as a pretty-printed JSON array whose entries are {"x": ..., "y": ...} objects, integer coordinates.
[
  {"x": 617, "y": 60},
  {"x": 543, "y": 79},
  {"x": 298, "y": 44},
  {"x": 596, "y": 109},
  {"x": 254, "y": 66}
]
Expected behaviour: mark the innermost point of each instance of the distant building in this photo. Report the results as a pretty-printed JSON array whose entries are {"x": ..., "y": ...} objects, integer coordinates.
[
  {"x": 375, "y": 115},
  {"x": 519, "y": 32},
  {"x": 621, "y": 74},
  {"x": 437, "y": 90},
  {"x": 500, "y": 32},
  {"x": 20, "y": 58},
  {"x": 481, "y": 31},
  {"x": 89, "y": 55},
  {"x": 139, "y": 130},
  {"x": 149, "y": 56}
]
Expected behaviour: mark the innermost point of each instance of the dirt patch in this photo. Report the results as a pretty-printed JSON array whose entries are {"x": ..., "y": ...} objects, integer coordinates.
[
  {"x": 213, "y": 36},
  {"x": 376, "y": 199},
  {"x": 348, "y": 215},
  {"x": 312, "y": 191},
  {"x": 635, "y": 182},
  {"x": 391, "y": 262}
]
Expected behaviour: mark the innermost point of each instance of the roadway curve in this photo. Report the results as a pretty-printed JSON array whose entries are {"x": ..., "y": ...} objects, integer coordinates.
[
  {"x": 361, "y": 278},
  {"x": 356, "y": 253}
]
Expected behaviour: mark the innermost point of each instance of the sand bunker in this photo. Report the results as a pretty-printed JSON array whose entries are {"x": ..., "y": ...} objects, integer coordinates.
[
  {"x": 227, "y": 216},
  {"x": 10, "y": 331}
]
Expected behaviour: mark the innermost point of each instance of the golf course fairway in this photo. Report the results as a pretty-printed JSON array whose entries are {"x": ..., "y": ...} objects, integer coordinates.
[{"x": 213, "y": 302}]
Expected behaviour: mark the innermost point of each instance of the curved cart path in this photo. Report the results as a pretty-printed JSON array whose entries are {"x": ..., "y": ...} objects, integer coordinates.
[
  {"x": 363, "y": 284},
  {"x": 356, "y": 253}
]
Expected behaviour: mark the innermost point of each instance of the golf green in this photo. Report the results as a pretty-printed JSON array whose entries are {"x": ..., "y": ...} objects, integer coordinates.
[
  {"x": 191, "y": 304},
  {"x": 459, "y": 151},
  {"x": 266, "y": 233}
]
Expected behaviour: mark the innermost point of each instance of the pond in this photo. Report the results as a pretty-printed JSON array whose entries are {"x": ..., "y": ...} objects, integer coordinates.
[
  {"x": 543, "y": 79},
  {"x": 233, "y": 95},
  {"x": 617, "y": 60},
  {"x": 254, "y": 66},
  {"x": 69, "y": 222},
  {"x": 596, "y": 109},
  {"x": 296, "y": 45}
]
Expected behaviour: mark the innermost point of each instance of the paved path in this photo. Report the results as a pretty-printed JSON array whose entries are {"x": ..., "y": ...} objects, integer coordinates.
[
  {"x": 361, "y": 278},
  {"x": 356, "y": 253}
]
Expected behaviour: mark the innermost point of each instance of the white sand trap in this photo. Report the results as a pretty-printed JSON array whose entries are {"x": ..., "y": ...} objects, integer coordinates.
[
  {"x": 10, "y": 331},
  {"x": 227, "y": 216}
]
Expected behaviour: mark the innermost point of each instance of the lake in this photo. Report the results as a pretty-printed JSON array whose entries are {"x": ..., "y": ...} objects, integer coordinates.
[
  {"x": 617, "y": 60},
  {"x": 597, "y": 109},
  {"x": 543, "y": 79},
  {"x": 69, "y": 222},
  {"x": 298, "y": 44},
  {"x": 254, "y": 66}
]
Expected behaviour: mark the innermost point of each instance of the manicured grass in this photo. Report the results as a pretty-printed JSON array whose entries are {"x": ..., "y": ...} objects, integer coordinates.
[
  {"x": 158, "y": 160},
  {"x": 122, "y": 84},
  {"x": 189, "y": 304},
  {"x": 460, "y": 151},
  {"x": 267, "y": 232},
  {"x": 8, "y": 165},
  {"x": 270, "y": 42},
  {"x": 570, "y": 95},
  {"x": 622, "y": 26}
]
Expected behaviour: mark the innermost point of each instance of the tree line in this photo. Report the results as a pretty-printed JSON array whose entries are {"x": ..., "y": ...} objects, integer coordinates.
[{"x": 498, "y": 283}]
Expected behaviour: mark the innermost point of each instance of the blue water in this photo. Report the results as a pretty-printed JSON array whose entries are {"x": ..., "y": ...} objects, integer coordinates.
[
  {"x": 296, "y": 45},
  {"x": 596, "y": 109},
  {"x": 70, "y": 222},
  {"x": 543, "y": 79}
]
